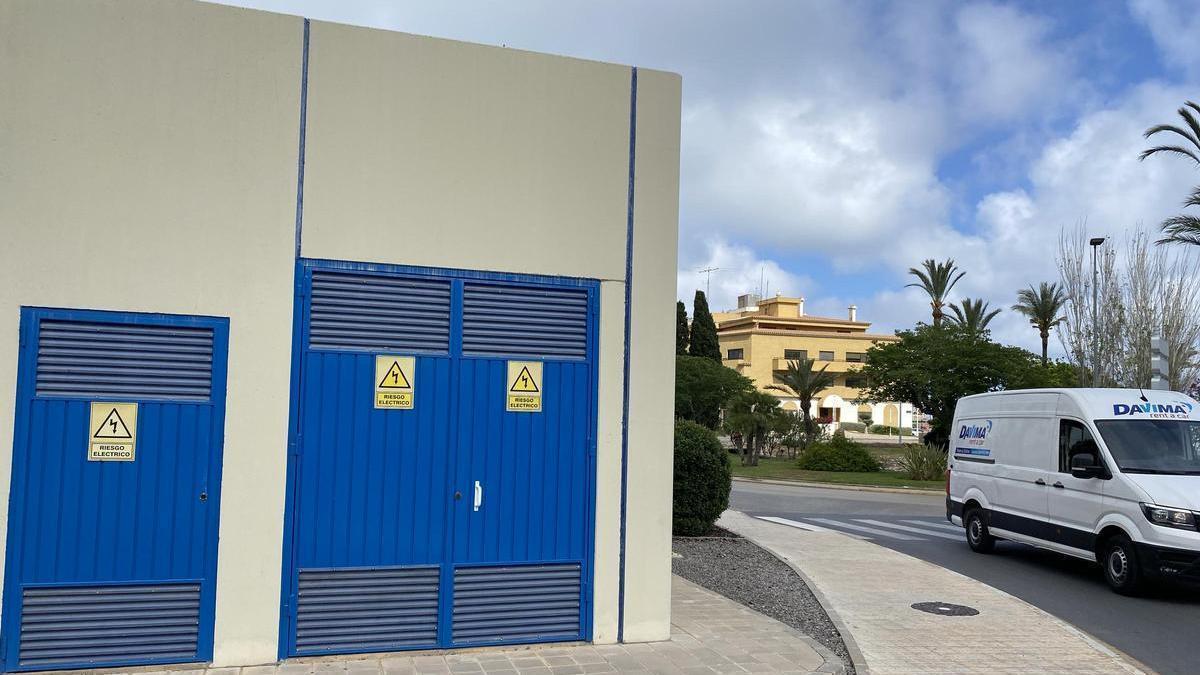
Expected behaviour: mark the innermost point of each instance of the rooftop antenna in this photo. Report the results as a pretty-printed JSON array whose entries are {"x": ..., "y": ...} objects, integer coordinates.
[
  {"x": 708, "y": 279},
  {"x": 762, "y": 274}
]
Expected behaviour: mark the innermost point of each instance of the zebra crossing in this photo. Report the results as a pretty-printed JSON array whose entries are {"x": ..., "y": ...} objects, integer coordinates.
[{"x": 902, "y": 529}]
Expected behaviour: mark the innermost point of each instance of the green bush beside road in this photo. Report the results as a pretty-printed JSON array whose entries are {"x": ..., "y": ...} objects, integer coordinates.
[{"x": 702, "y": 479}]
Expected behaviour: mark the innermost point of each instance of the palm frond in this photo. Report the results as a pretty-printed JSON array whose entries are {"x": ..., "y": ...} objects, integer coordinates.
[
  {"x": 1179, "y": 150},
  {"x": 1172, "y": 129},
  {"x": 1181, "y": 230}
]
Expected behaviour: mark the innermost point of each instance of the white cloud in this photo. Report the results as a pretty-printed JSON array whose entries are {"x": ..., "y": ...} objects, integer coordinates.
[
  {"x": 1174, "y": 25},
  {"x": 739, "y": 271}
]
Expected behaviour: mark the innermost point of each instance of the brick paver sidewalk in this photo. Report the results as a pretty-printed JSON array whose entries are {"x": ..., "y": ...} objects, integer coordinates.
[
  {"x": 710, "y": 634},
  {"x": 870, "y": 589}
]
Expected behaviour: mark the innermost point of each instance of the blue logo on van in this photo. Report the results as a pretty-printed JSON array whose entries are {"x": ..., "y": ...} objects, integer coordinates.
[
  {"x": 1153, "y": 409},
  {"x": 976, "y": 431}
]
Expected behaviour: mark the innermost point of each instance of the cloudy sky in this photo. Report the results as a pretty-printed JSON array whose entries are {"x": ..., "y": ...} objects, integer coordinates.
[{"x": 829, "y": 146}]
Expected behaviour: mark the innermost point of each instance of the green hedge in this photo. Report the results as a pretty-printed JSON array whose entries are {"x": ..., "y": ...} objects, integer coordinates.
[
  {"x": 837, "y": 454},
  {"x": 702, "y": 479},
  {"x": 890, "y": 431},
  {"x": 852, "y": 426}
]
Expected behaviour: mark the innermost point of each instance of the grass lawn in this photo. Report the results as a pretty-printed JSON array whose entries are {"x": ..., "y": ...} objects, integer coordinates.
[{"x": 785, "y": 469}]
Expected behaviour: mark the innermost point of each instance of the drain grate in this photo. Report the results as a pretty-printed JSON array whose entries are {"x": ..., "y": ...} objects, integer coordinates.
[{"x": 945, "y": 609}]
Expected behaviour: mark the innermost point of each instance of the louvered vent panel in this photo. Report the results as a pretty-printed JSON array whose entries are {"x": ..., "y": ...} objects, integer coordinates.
[
  {"x": 367, "y": 609},
  {"x": 364, "y": 312},
  {"x": 518, "y": 602},
  {"x": 525, "y": 321},
  {"x": 96, "y": 625},
  {"x": 109, "y": 360}
]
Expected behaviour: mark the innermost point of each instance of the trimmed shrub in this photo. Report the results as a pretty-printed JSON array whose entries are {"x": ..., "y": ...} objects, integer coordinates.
[
  {"x": 852, "y": 426},
  {"x": 923, "y": 462},
  {"x": 702, "y": 479},
  {"x": 837, "y": 454},
  {"x": 890, "y": 431}
]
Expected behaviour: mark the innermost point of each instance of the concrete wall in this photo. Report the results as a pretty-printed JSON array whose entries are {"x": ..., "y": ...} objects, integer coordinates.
[
  {"x": 148, "y": 162},
  {"x": 148, "y": 156}
]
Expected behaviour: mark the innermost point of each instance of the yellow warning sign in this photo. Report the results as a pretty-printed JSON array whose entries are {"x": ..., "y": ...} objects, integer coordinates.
[
  {"x": 394, "y": 383},
  {"x": 112, "y": 432},
  {"x": 524, "y": 386}
]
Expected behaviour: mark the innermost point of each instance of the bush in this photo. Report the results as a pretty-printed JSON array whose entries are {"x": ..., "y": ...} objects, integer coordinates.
[
  {"x": 702, "y": 479},
  {"x": 890, "y": 431},
  {"x": 852, "y": 426},
  {"x": 923, "y": 462},
  {"x": 837, "y": 454}
]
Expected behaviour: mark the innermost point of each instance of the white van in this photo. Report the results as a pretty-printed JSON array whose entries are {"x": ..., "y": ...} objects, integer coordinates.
[{"x": 1111, "y": 475}]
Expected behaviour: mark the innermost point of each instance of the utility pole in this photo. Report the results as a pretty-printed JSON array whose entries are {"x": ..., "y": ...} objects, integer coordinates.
[
  {"x": 708, "y": 278},
  {"x": 1095, "y": 244}
]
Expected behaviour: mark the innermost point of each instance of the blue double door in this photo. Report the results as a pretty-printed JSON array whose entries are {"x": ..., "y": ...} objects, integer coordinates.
[
  {"x": 461, "y": 519},
  {"x": 112, "y": 537}
]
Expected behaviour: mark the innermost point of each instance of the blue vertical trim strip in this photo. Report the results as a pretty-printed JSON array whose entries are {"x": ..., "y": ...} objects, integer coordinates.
[
  {"x": 288, "y": 574},
  {"x": 303, "y": 130},
  {"x": 628, "y": 316}
]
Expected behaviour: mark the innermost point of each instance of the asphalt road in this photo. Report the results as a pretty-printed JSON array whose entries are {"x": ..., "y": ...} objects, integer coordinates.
[{"x": 1159, "y": 630}]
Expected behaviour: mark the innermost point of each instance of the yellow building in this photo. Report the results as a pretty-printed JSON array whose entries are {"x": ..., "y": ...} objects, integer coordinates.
[{"x": 759, "y": 338}]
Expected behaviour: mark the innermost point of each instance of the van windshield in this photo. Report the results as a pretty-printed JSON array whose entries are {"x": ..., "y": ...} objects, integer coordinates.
[{"x": 1153, "y": 446}]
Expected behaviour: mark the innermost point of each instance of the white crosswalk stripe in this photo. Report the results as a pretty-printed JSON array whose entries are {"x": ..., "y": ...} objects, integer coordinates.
[
  {"x": 906, "y": 528},
  {"x": 803, "y": 526},
  {"x": 870, "y": 531},
  {"x": 942, "y": 525}
]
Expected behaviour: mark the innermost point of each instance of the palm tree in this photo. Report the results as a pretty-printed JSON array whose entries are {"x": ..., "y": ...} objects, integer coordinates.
[
  {"x": 972, "y": 315},
  {"x": 1181, "y": 229},
  {"x": 1042, "y": 305},
  {"x": 801, "y": 381},
  {"x": 936, "y": 279}
]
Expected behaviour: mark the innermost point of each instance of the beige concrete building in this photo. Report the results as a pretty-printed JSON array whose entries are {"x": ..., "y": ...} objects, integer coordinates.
[
  {"x": 759, "y": 338},
  {"x": 218, "y": 225}
]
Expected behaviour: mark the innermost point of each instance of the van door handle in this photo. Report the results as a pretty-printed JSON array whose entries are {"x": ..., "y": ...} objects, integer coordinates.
[
  {"x": 1039, "y": 482},
  {"x": 1059, "y": 485},
  {"x": 478, "y": 495}
]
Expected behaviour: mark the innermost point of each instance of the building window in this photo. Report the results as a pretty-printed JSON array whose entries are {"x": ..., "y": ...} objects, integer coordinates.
[
  {"x": 826, "y": 356},
  {"x": 795, "y": 354},
  {"x": 856, "y": 381},
  {"x": 856, "y": 357},
  {"x": 734, "y": 354}
]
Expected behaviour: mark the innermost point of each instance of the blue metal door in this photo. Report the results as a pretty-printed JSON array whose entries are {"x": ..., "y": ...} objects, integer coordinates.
[
  {"x": 112, "y": 539},
  {"x": 382, "y": 500},
  {"x": 521, "y": 548}
]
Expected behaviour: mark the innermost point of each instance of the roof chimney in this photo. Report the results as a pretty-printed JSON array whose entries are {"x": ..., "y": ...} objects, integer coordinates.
[
  {"x": 800, "y": 307},
  {"x": 854, "y": 312}
]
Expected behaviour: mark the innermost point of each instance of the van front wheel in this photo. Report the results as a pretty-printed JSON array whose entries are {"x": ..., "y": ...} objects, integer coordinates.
[
  {"x": 978, "y": 537},
  {"x": 1121, "y": 571}
]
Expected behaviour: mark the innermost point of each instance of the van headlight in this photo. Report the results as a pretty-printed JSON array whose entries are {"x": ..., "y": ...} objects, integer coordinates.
[{"x": 1167, "y": 517}]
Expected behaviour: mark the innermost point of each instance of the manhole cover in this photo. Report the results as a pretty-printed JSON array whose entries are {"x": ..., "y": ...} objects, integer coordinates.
[{"x": 945, "y": 609}]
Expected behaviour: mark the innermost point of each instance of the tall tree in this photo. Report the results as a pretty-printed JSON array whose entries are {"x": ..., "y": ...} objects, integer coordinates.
[
  {"x": 801, "y": 381},
  {"x": 681, "y": 329},
  {"x": 1181, "y": 229},
  {"x": 973, "y": 315},
  {"x": 703, "y": 339},
  {"x": 1041, "y": 306},
  {"x": 936, "y": 279},
  {"x": 703, "y": 388},
  {"x": 754, "y": 415}
]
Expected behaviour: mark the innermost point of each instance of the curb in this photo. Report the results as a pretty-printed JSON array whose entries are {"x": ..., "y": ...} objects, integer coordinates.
[
  {"x": 856, "y": 656},
  {"x": 838, "y": 486}
]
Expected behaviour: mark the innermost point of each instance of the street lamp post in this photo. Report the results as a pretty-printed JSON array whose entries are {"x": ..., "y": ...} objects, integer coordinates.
[{"x": 1095, "y": 244}]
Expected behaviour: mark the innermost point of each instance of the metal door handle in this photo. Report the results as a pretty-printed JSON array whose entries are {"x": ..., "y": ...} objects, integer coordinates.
[
  {"x": 1058, "y": 484},
  {"x": 478, "y": 495},
  {"x": 1039, "y": 482}
]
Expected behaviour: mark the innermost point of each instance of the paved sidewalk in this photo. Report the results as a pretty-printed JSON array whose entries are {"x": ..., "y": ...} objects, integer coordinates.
[
  {"x": 709, "y": 634},
  {"x": 869, "y": 591}
]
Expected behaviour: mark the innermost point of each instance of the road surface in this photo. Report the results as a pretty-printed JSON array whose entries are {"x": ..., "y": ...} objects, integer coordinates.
[{"x": 1159, "y": 630}]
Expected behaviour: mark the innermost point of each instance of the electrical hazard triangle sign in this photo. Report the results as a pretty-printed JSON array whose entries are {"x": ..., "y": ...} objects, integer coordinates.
[
  {"x": 112, "y": 433},
  {"x": 113, "y": 427},
  {"x": 394, "y": 382},
  {"x": 524, "y": 383},
  {"x": 523, "y": 388},
  {"x": 394, "y": 378}
]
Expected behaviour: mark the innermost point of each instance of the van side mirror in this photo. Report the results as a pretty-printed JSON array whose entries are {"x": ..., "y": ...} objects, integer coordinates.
[{"x": 1085, "y": 465}]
